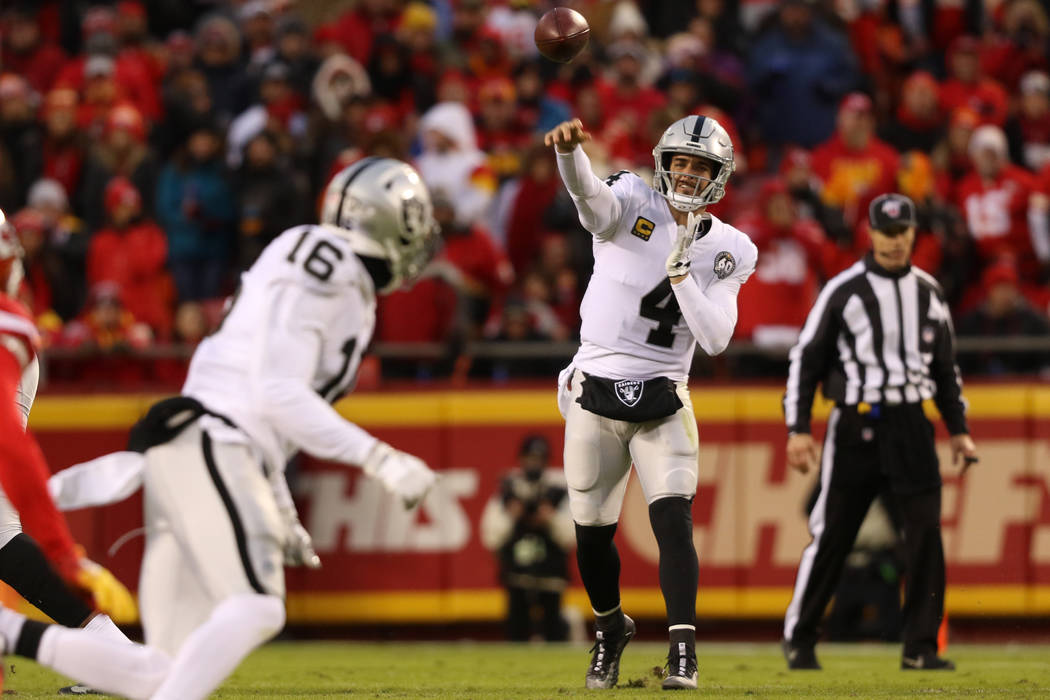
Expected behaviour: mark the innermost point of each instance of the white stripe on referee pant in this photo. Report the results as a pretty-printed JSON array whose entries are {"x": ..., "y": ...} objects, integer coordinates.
[{"x": 816, "y": 527}]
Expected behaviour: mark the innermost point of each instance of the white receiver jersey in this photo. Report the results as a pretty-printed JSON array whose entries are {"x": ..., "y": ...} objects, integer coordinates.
[
  {"x": 632, "y": 327},
  {"x": 291, "y": 344}
]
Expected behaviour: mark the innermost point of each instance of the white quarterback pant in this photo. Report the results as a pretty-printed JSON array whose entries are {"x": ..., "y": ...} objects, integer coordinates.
[
  {"x": 213, "y": 531},
  {"x": 599, "y": 452}
]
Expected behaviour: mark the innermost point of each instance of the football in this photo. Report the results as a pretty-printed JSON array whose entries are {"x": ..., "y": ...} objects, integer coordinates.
[{"x": 561, "y": 34}]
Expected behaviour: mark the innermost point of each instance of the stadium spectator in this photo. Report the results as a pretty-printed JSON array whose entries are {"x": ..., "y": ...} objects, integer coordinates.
[
  {"x": 106, "y": 324},
  {"x": 219, "y": 59},
  {"x": 195, "y": 206},
  {"x": 1028, "y": 131},
  {"x": 968, "y": 86},
  {"x": 122, "y": 151},
  {"x": 60, "y": 251},
  {"x": 481, "y": 272},
  {"x": 537, "y": 109},
  {"x": 20, "y": 133},
  {"x": 26, "y": 52},
  {"x": 187, "y": 102},
  {"x": 272, "y": 196},
  {"x": 451, "y": 161},
  {"x": 500, "y": 133},
  {"x": 521, "y": 205},
  {"x": 131, "y": 251},
  {"x": 63, "y": 148},
  {"x": 943, "y": 247},
  {"x": 918, "y": 123},
  {"x": 793, "y": 257},
  {"x": 801, "y": 67},
  {"x": 1019, "y": 44},
  {"x": 628, "y": 97},
  {"x": 279, "y": 109},
  {"x": 1004, "y": 313},
  {"x": 854, "y": 165},
  {"x": 132, "y": 71},
  {"x": 527, "y": 524},
  {"x": 796, "y": 167},
  {"x": 1004, "y": 209}
]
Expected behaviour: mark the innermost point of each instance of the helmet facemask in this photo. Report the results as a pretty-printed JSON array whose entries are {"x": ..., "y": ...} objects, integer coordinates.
[
  {"x": 697, "y": 136},
  {"x": 703, "y": 192}
]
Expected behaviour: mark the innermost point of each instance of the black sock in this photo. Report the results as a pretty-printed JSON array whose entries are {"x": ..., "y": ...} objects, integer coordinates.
[
  {"x": 683, "y": 634},
  {"x": 599, "y": 565},
  {"x": 25, "y": 568},
  {"x": 672, "y": 522},
  {"x": 29, "y": 638}
]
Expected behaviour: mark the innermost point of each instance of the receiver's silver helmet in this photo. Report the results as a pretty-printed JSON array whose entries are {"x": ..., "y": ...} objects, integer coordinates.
[
  {"x": 382, "y": 206},
  {"x": 698, "y": 136}
]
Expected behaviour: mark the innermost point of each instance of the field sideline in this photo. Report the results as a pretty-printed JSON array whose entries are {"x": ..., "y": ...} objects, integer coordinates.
[{"x": 463, "y": 670}]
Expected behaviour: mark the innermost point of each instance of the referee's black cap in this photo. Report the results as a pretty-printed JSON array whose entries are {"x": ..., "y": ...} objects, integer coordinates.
[{"x": 891, "y": 213}]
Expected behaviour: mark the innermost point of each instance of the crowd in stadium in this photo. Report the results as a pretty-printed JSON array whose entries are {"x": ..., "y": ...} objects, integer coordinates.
[{"x": 150, "y": 150}]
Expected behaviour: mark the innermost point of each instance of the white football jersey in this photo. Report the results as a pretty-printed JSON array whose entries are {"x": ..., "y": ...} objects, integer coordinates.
[
  {"x": 304, "y": 312},
  {"x": 632, "y": 327}
]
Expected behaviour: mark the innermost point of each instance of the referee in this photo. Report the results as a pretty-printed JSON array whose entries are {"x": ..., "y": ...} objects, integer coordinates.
[{"x": 880, "y": 340}]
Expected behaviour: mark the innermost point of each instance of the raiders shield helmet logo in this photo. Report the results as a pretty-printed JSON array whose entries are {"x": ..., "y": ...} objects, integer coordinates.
[
  {"x": 724, "y": 264},
  {"x": 629, "y": 391}
]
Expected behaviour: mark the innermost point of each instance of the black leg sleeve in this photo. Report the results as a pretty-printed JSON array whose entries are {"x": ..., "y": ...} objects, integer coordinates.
[
  {"x": 599, "y": 565},
  {"x": 25, "y": 568},
  {"x": 672, "y": 521}
]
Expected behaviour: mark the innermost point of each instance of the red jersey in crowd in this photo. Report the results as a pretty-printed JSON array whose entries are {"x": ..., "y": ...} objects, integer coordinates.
[
  {"x": 853, "y": 177},
  {"x": 986, "y": 97},
  {"x": 135, "y": 259},
  {"x": 998, "y": 214},
  {"x": 773, "y": 305}
]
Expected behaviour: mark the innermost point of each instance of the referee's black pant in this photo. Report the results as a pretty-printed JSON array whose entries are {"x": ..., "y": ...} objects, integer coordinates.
[{"x": 888, "y": 450}]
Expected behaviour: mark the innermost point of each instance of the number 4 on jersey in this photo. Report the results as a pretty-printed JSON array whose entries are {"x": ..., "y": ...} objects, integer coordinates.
[{"x": 661, "y": 305}]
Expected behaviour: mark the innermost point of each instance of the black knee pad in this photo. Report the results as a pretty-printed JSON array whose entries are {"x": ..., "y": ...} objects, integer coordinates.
[{"x": 672, "y": 521}]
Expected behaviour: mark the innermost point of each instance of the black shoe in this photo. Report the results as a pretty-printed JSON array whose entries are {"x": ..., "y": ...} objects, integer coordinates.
[
  {"x": 681, "y": 667},
  {"x": 926, "y": 662},
  {"x": 78, "y": 690},
  {"x": 604, "y": 670},
  {"x": 800, "y": 658}
]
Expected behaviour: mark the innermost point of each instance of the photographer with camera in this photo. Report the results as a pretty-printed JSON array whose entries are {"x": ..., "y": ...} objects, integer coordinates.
[{"x": 528, "y": 525}]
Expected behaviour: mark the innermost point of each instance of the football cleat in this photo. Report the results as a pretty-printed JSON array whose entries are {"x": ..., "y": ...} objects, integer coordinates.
[
  {"x": 800, "y": 658},
  {"x": 926, "y": 662},
  {"x": 604, "y": 670},
  {"x": 681, "y": 668}
]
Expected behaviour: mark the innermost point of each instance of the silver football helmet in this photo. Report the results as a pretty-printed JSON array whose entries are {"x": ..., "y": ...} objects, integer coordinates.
[
  {"x": 699, "y": 136},
  {"x": 382, "y": 206}
]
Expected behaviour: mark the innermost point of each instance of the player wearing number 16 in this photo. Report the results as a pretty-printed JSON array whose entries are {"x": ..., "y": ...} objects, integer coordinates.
[
  {"x": 666, "y": 277},
  {"x": 220, "y": 521}
]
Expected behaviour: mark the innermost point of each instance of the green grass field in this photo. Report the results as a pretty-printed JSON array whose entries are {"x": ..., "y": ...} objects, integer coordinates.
[{"x": 468, "y": 670}]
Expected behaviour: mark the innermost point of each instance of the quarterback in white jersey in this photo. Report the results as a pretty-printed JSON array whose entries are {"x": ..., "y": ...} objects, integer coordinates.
[{"x": 666, "y": 277}]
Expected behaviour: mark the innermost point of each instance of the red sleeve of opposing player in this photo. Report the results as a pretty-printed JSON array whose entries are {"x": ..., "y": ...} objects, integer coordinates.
[
  {"x": 15, "y": 321},
  {"x": 24, "y": 474}
]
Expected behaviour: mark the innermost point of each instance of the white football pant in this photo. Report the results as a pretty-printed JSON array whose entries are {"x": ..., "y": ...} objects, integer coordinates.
[
  {"x": 599, "y": 452},
  {"x": 213, "y": 531}
]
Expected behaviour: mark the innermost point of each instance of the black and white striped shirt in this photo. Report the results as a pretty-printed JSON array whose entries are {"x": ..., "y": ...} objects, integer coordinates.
[{"x": 877, "y": 337}]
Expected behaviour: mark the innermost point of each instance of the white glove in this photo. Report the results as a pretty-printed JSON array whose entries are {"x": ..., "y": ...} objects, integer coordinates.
[
  {"x": 299, "y": 546},
  {"x": 403, "y": 475},
  {"x": 678, "y": 261}
]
